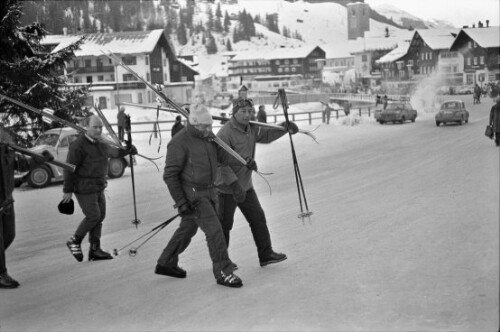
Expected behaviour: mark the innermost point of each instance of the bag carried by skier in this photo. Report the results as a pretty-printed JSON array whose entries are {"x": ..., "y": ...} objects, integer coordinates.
[{"x": 489, "y": 132}]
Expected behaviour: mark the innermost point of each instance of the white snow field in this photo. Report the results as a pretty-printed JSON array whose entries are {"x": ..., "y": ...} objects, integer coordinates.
[{"x": 404, "y": 237}]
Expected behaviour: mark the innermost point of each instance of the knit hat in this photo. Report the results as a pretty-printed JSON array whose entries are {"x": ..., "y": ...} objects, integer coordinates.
[
  {"x": 199, "y": 115},
  {"x": 241, "y": 102}
]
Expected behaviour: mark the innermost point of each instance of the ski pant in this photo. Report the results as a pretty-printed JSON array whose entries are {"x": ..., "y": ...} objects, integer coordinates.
[
  {"x": 204, "y": 217},
  {"x": 7, "y": 233},
  {"x": 254, "y": 214},
  {"x": 497, "y": 138},
  {"x": 94, "y": 208},
  {"x": 121, "y": 132}
]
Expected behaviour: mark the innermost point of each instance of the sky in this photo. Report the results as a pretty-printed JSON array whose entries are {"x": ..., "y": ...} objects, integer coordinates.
[{"x": 458, "y": 12}]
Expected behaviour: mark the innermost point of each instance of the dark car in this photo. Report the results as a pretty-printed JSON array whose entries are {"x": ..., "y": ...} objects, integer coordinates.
[
  {"x": 396, "y": 111},
  {"x": 452, "y": 111}
]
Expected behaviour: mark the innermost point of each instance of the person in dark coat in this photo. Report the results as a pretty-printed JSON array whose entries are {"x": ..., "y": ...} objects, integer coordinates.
[
  {"x": 262, "y": 115},
  {"x": 90, "y": 154},
  {"x": 495, "y": 120},
  {"x": 177, "y": 125},
  {"x": 122, "y": 123},
  {"x": 10, "y": 160},
  {"x": 190, "y": 173},
  {"x": 235, "y": 183}
]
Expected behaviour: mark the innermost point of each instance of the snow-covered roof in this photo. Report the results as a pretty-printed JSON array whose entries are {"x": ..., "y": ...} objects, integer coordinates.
[
  {"x": 130, "y": 42},
  {"x": 188, "y": 64},
  {"x": 438, "y": 39},
  {"x": 395, "y": 54},
  {"x": 376, "y": 40},
  {"x": 335, "y": 52},
  {"x": 484, "y": 37},
  {"x": 277, "y": 53}
]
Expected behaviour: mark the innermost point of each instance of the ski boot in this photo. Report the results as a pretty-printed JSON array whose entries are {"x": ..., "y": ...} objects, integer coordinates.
[{"x": 97, "y": 254}]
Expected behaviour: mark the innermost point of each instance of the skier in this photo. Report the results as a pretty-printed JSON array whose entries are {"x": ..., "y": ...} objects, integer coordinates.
[
  {"x": 495, "y": 120},
  {"x": 122, "y": 122},
  {"x": 190, "y": 172},
  {"x": 177, "y": 125},
  {"x": 89, "y": 153},
  {"x": 235, "y": 184}
]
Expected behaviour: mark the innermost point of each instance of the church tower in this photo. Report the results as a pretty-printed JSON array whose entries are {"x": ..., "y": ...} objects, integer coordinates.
[{"x": 358, "y": 20}]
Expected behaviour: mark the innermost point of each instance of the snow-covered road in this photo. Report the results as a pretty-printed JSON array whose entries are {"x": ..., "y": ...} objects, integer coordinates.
[{"x": 404, "y": 237}]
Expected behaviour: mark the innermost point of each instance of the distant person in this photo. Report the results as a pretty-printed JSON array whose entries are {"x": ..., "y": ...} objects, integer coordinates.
[
  {"x": 253, "y": 114},
  {"x": 90, "y": 154},
  {"x": 378, "y": 100},
  {"x": 122, "y": 122},
  {"x": 477, "y": 95},
  {"x": 327, "y": 112},
  {"x": 262, "y": 115},
  {"x": 385, "y": 100},
  {"x": 495, "y": 120},
  {"x": 347, "y": 108},
  {"x": 10, "y": 160},
  {"x": 177, "y": 125}
]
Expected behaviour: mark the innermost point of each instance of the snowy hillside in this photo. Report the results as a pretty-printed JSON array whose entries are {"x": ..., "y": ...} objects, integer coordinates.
[
  {"x": 406, "y": 19},
  {"x": 323, "y": 24}
]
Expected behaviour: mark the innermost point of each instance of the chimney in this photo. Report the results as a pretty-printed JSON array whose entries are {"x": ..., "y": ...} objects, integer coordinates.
[
  {"x": 479, "y": 24},
  {"x": 473, "y": 25},
  {"x": 465, "y": 27},
  {"x": 487, "y": 23}
]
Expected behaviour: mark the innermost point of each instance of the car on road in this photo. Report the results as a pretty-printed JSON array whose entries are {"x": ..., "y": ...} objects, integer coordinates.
[
  {"x": 452, "y": 111},
  {"x": 465, "y": 90},
  {"x": 57, "y": 142},
  {"x": 395, "y": 111}
]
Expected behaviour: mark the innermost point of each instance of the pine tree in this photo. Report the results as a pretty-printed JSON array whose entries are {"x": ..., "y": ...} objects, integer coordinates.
[
  {"x": 229, "y": 47},
  {"x": 181, "y": 34},
  {"x": 211, "y": 45},
  {"x": 210, "y": 23},
  {"x": 32, "y": 76},
  {"x": 227, "y": 22}
]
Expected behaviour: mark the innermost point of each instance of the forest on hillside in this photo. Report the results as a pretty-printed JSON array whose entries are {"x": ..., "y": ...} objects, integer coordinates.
[{"x": 93, "y": 16}]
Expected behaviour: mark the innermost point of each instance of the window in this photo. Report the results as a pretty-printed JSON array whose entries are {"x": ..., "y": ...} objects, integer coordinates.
[
  {"x": 277, "y": 62},
  {"x": 287, "y": 69},
  {"x": 147, "y": 60},
  {"x": 88, "y": 63},
  {"x": 481, "y": 60},
  {"x": 287, "y": 62},
  {"x": 475, "y": 60},
  {"x": 430, "y": 55},
  {"x": 294, "y": 69},
  {"x": 364, "y": 58},
  {"x": 475, "y": 44},
  {"x": 139, "y": 97},
  {"x": 89, "y": 79},
  {"x": 112, "y": 76},
  {"x": 129, "y": 60},
  {"x": 77, "y": 79},
  {"x": 423, "y": 56},
  {"x": 468, "y": 61},
  {"x": 470, "y": 44},
  {"x": 148, "y": 77},
  {"x": 128, "y": 77},
  {"x": 100, "y": 78},
  {"x": 280, "y": 70},
  {"x": 76, "y": 63},
  {"x": 295, "y": 61}
]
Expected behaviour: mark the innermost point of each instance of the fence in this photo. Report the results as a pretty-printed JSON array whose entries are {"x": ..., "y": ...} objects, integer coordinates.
[{"x": 154, "y": 127}]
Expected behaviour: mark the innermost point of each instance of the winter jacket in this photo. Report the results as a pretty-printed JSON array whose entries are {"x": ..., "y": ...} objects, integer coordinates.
[
  {"x": 90, "y": 157},
  {"x": 243, "y": 142},
  {"x": 191, "y": 164},
  {"x": 495, "y": 117},
  {"x": 262, "y": 116},
  {"x": 121, "y": 117},
  {"x": 9, "y": 161},
  {"x": 178, "y": 126}
]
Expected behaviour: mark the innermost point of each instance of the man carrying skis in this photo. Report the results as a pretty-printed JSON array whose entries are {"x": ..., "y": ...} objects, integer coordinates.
[
  {"x": 90, "y": 154},
  {"x": 190, "y": 172},
  {"x": 235, "y": 184}
]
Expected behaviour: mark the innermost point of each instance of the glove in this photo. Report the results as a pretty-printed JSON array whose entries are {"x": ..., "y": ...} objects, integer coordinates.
[
  {"x": 43, "y": 158},
  {"x": 251, "y": 164},
  {"x": 292, "y": 127},
  {"x": 132, "y": 150},
  {"x": 186, "y": 209},
  {"x": 47, "y": 156},
  {"x": 238, "y": 193}
]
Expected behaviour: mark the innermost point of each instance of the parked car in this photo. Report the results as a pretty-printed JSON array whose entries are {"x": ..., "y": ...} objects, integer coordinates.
[
  {"x": 452, "y": 111},
  {"x": 396, "y": 111},
  {"x": 465, "y": 90},
  {"x": 57, "y": 142}
]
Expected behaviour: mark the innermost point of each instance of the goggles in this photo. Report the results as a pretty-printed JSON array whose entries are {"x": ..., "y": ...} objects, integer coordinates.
[{"x": 242, "y": 102}]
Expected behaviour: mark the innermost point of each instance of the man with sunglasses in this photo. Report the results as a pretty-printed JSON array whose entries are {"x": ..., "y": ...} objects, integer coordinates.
[{"x": 235, "y": 184}]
